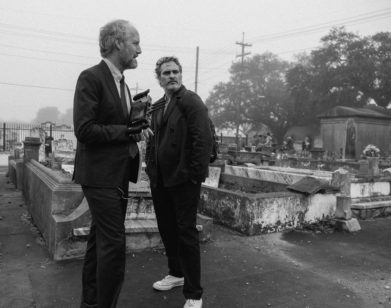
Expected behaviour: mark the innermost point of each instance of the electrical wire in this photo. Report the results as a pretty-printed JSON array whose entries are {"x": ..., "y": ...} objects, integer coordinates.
[{"x": 34, "y": 86}]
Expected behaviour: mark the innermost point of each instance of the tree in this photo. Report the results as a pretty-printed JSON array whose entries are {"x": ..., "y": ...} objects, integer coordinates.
[
  {"x": 346, "y": 70},
  {"x": 45, "y": 114},
  {"x": 382, "y": 58},
  {"x": 302, "y": 98},
  {"x": 255, "y": 96},
  {"x": 67, "y": 117}
]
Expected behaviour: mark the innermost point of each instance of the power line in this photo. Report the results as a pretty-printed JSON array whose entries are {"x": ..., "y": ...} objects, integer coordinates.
[
  {"x": 46, "y": 51},
  {"x": 35, "y": 86},
  {"x": 57, "y": 61},
  {"x": 47, "y": 14},
  {"x": 322, "y": 26},
  {"x": 38, "y": 35},
  {"x": 69, "y": 37},
  {"x": 46, "y": 32},
  {"x": 44, "y": 59}
]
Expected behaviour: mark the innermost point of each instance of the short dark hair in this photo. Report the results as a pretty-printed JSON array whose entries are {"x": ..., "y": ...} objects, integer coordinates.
[
  {"x": 163, "y": 60},
  {"x": 110, "y": 33}
]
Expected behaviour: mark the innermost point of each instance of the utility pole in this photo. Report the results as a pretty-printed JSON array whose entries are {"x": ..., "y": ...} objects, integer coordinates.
[
  {"x": 242, "y": 55},
  {"x": 196, "y": 70},
  {"x": 243, "y": 45}
]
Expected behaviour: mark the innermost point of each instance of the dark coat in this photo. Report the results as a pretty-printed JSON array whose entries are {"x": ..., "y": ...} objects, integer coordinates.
[
  {"x": 100, "y": 124},
  {"x": 180, "y": 149}
]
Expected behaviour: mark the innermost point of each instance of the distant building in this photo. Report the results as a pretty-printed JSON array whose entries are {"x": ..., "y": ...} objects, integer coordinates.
[{"x": 348, "y": 131}]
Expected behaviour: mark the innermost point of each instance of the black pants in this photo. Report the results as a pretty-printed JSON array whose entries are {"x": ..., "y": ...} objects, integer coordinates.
[
  {"x": 176, "y": 214},
  {"x": 104, "y": 263}
]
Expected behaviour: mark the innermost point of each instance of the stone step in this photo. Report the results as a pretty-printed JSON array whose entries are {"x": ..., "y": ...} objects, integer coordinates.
[
  {"x": 372, "y": 204},
  {"x": 140, "y": 234},
  {"x": 371, "y": 199},
  {"x": 149, "y": 228},
  {"x": 371, "y": 209},
  {"x": 131, "y": 226}
]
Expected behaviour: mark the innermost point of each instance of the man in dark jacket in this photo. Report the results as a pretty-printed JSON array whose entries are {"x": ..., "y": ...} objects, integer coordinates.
[
  {"x": 107, "y": 158},
  {"x": 177, "y": 158}
]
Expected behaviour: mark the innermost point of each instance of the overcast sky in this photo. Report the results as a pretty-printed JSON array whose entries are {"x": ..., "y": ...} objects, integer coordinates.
[{"x": 45, "y": 44}]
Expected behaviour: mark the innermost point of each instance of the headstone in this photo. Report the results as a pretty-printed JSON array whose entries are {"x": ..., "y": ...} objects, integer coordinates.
[
  {"x": 31, "y": 148},
  {"x": 63, "y": 150},
  {"x": 387, "y": 172},
  {"x": 343, "y": 209},
  {"x": 63, "y": 144},
  {"x": 369, "y": 167},
  {"x": 214, "y": 177},
  {"x": 373, "y": 166},
  {"x": 364, "y": 168},
  {"x": 341, "y": 179},
  {"x": 38, "y": 132}
]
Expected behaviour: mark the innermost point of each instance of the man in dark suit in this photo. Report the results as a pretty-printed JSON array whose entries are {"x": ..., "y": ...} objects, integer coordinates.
[
  {"x": 177, "y": 158},
  {"x": 107, "y": 158}
]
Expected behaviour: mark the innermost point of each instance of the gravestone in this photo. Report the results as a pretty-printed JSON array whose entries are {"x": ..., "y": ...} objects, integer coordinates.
[
  {"x": 63, "y": 150},
  {"x": 342, "y": 178},
  {"x": 31, "y": 148},
  {"x": 213, "y": 178},
  {"x": 38, "y": 132}
]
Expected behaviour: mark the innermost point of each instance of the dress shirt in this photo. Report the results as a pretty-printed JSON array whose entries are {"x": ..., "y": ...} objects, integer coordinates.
[{"x": 117, "y": 78}]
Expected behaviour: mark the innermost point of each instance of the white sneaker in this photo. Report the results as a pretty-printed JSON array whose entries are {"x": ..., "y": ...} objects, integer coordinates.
[
  {"x": 168, "y": 282},
  {"x": 193, "y": 303}
]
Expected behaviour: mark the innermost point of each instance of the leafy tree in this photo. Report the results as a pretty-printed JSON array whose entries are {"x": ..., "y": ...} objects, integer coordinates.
[
  {"x": 45, "y": 114},
  {"x": 255, "y": 96},
  {"x": 346, "y": 70},
  {"x": 67, "y": 117},
  {"x": 381, "y": 43}
]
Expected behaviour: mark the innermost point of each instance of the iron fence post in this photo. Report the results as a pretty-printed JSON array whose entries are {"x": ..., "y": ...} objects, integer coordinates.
[{"x": 4, "y": 136}]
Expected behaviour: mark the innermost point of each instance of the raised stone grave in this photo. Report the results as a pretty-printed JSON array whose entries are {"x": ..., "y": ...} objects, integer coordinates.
[{"x": 255, "y": 201}]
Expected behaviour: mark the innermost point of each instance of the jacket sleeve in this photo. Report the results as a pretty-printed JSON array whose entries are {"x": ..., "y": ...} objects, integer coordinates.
[
  {"x": 87, "y": 111},
  {"x": 200, "y": 136}
]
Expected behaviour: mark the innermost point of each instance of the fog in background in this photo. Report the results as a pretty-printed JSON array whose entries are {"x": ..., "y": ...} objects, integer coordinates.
[{"x": 46, "y": 44}]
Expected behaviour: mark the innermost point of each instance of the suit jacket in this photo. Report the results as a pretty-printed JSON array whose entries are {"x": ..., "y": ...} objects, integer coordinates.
[
  {"x": 180, "y": 149},
  {"x": 100, "y": 123}
]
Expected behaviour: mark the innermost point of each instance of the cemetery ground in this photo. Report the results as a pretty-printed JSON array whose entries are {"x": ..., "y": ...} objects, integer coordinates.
[{"x": 312, "y": 267}]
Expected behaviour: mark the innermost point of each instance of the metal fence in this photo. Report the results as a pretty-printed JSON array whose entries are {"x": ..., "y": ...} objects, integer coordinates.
[{"x": 12, "y": 135}]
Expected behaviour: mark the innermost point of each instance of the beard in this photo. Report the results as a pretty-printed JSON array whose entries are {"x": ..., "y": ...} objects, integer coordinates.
[
  {"x": 172, "y": 87},
  {"x": 130, "y": 64}
]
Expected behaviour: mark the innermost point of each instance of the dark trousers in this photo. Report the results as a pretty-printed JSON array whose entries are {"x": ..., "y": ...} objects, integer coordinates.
[
  {"x": 104, "y": 262},
  {"x": 176, "y": 214}
]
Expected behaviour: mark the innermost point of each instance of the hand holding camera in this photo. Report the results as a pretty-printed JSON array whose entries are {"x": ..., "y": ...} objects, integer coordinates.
[{"x": 139, "y": 116}]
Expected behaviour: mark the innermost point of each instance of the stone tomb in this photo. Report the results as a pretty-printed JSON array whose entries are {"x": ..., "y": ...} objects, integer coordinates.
[
  {"x": 60, "y": 211},
  {"x": 255, "y": 200}
]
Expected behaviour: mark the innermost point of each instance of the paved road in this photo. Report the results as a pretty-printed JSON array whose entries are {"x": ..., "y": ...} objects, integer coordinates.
[{"x": 297, "y": 269}]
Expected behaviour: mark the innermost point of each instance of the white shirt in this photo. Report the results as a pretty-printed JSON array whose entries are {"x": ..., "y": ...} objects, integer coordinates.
[{"x": 117, "y": 78}]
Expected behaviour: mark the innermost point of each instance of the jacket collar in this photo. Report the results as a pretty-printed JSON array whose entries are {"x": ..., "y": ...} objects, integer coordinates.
[
  {"x": 177, "y": 96},
  {"x": 113, "y": 88}
]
